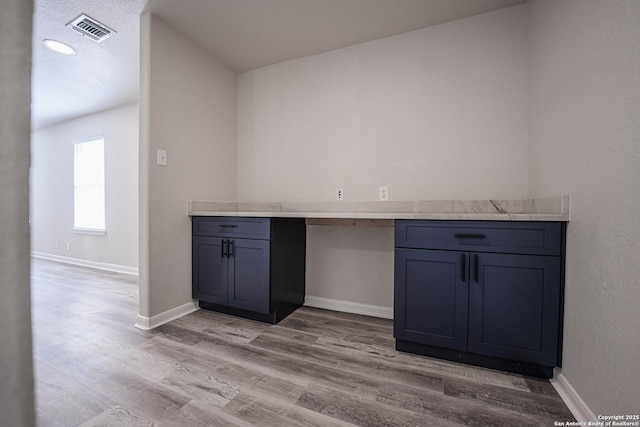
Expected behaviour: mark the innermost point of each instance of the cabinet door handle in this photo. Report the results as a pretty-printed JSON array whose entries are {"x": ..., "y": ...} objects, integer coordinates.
[
  {"x": 223, "y": 250},
  {"x": 227, "y": 225},
  {"x": 476, "y": 268},
  {"x": 469, "y": 236},
  {"x": 230, "y": 248},
  {"x": 464, "y": 268}
]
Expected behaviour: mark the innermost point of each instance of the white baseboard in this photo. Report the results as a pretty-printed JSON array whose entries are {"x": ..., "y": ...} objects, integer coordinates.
[
  {"x": 148, "y": 323},
  {"x": 86, "y": 263},
  {"x": 571, "y": 398},
  {"x": 349, "y": 307}
]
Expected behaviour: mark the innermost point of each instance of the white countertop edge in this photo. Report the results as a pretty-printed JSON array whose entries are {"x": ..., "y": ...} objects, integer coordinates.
[
  {"x": 554, "y": 208},
  {"x": 392, "y": 215}
]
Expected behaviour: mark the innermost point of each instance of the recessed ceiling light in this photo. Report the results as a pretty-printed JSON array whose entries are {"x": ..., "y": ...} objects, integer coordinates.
[{"x": 59, "y": 47}]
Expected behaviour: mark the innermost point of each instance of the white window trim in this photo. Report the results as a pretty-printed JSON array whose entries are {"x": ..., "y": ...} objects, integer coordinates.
[{"x": 91, "y": 231}]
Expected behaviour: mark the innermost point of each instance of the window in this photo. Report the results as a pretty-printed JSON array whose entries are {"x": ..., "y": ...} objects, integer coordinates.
[{"x": 88, "y": 185}]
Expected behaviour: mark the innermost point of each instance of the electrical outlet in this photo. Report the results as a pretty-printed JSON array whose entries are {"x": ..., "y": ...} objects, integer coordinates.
[
  {"x": 383, "y": 193},
  {"x": 339, "y": 194},
  {"x": 57, "y": 245},
  {"x": 69, "y": 246},
  {"x": 161, "y": 159}
]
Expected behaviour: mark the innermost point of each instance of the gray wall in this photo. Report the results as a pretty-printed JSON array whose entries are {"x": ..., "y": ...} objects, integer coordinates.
[
  {"x": 188, "y": 107},
  {"x": 16, "y": 368},
  {"x": 584, "y": 139},
  {"x": 437, "y": 113},
  {"x": 52, "y": 189}
]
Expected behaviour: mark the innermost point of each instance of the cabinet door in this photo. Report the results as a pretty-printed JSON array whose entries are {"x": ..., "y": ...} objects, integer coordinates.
[
  {"x": 249, "y": 275},
  {"x": 514, "y": 307},
  {"x": 431, "y": 297},
  {"x": 209, "y": 279}
]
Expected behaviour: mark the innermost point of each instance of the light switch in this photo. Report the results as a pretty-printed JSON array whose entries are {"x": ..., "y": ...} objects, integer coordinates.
[{"x": 162, "y": 157}]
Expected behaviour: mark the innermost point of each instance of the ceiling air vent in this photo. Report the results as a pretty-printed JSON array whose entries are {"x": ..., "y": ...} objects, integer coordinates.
[{"x": 91, "y": 28}]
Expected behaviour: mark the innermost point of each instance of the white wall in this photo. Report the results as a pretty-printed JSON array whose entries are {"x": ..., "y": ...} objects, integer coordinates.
[
  {"x": 438, "y": 113},
  {"x": 16, "y": 367},
  {"x": 584, "y": 139},
  {"x": 52, "y": 188},
  {"x": 188, "y": 107}
]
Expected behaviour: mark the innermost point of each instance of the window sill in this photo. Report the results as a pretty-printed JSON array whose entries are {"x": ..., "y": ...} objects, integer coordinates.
[{"x": 91, "y": 231}]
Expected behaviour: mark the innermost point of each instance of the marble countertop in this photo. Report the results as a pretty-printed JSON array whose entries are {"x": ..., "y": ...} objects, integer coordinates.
[{"x": 540, "y": 209}]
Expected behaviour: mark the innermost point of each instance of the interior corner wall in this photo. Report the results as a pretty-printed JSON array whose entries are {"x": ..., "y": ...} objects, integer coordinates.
[
  {"x": 188, "y": 108},
  {"x": 438, "y": 113},
  {"x": 52, "y": 189},
  {"x": 584, "y": 127},
  {"x": 16, "y": 367}
]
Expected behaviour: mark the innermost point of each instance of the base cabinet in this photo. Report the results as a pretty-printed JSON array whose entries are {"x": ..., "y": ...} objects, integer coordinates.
[
  {"x": 209, "y": 279},
  {"x": 514, "y": 307},
  {"x": 252, "y": 267},
  {"x": 431, "y": 298},
  {"x": 473, "y": 290},
  {"x": 233, "y": 272}
]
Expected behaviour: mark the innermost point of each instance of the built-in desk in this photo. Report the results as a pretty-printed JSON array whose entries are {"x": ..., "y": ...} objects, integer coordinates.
[
  {"x": 541, "y": 209},
  {"x": 478, "y": 281}
]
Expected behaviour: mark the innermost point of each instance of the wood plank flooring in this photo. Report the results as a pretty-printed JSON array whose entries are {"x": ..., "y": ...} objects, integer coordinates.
[{"x": 315, "y": 368}]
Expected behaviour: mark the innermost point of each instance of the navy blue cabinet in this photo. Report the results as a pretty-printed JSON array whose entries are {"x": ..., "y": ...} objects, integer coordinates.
[
  {"x": 209, "y": 269},
  {"x": 233, "y": 272},
  {"x": 251, "y": 267},
  {"x": 515, "y": 307},
  {"x": 488, "y": 293},
  {"x": 431, "y": 298},
  {"x": 248, "y": 275}
]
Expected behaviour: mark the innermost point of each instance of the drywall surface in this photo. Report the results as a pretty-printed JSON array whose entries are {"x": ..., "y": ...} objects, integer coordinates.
[
  {"x": 52, "y": 188},
  {"x": 438, "y": 113},
  {"x": 188, "y": 108},
  {"x": 16, "y": 368},
  {"x": 351, "y": 264},
  {"x": 584, "y": 139}
]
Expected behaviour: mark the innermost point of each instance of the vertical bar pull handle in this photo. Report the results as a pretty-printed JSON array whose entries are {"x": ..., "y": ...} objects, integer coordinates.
[
  {"x": 230, "y": 249},
  {"x": 476, "y": 268},
  {"x": 222, "y": 248},
  {"x": 464, "y": 268}
]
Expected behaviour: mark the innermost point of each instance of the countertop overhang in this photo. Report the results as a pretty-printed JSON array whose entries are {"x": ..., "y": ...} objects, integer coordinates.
[{"x": 555, "y": 208}]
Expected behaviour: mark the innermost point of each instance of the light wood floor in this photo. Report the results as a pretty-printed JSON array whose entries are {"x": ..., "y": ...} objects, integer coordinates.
[{"x": 316, "y": 368}]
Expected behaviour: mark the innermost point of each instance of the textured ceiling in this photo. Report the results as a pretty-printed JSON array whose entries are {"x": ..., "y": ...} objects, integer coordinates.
[
  {"x": 100, "y": 76},
  {"x": 244, "y": 34}
]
